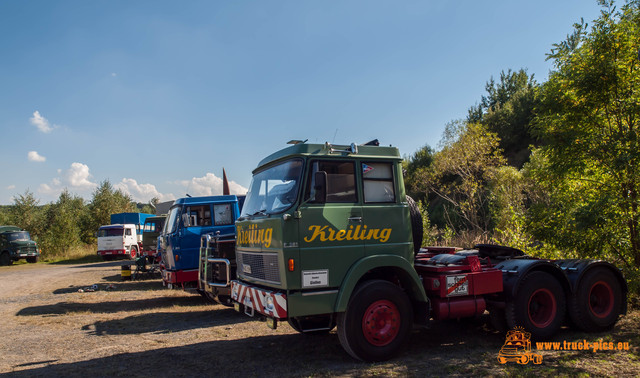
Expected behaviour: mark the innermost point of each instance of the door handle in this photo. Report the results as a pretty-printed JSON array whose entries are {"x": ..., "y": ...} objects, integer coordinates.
[{"x": 355, "y": 219}]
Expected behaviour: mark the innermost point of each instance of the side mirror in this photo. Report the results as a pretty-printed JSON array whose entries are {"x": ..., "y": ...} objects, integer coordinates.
[{"x": 320, "y": 187}]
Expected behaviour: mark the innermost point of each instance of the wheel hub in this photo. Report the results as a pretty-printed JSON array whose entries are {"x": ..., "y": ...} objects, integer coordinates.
[
  {"x": 601, "y": 299},
  {"x": 381, "y": 323},
  {"x": 542, "y": 308}
]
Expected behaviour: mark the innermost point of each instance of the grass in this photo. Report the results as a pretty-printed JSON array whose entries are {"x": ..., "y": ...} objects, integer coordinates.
[{"x": 76, "y": 255}]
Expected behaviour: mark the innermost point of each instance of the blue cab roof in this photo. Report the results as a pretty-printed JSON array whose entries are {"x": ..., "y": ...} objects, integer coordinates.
[{"x": 205, "y": 200}]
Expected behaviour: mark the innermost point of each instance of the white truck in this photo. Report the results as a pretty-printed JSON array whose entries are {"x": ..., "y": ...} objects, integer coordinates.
[{"x": 122, "y": 238}]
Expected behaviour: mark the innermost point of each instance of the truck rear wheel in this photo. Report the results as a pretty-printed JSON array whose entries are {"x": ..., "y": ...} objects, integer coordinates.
[
  {"x": 597, "y": 302},
  {"x": 539, "y": 305},
  {"x": 377, "y": 322}
]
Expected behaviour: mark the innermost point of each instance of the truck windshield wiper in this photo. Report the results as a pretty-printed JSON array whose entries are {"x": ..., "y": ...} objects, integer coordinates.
[{"x": 259, "y": 212}]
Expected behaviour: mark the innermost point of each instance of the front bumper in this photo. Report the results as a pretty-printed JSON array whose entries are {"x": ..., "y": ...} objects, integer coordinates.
[
  {"x": 179, "y": 276},
  {"x": 112, "y": 252},
  {"x": 265, "y": 302}
]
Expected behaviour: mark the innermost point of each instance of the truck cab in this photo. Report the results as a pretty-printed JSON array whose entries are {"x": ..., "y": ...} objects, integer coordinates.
[
  {"x": 152, "y": 229},
  {"x": 16, "y": 244},
  {"x": 316, "y": 221},
  {"x": 188, "y": 220},
  {"x": 118, "y": 240}
]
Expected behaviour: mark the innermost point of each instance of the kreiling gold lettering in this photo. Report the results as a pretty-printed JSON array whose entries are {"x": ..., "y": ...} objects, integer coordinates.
[{"x": 326, "y": 233}]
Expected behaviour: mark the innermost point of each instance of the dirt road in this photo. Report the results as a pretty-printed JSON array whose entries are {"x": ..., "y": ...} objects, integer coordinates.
[{"x": 139, "y": 328}]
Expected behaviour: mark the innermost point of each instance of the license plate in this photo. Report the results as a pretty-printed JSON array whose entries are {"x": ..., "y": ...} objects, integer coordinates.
[
  {"x": 247, "y": 302},
  {"x": 107, "y": 253}
]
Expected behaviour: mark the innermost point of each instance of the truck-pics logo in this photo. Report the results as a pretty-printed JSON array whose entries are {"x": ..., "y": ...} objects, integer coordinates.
[
  {"x": 254, "y": 237},
  {"x": 517, "y": 348},
  {"x": 326, "y": 233}
]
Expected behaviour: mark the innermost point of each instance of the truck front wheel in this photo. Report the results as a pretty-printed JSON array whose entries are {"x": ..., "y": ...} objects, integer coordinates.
[
  {"x": 377, "y": 322},
  {"x": 5, "y": 259},
  {"x": 134, "y": 252}
]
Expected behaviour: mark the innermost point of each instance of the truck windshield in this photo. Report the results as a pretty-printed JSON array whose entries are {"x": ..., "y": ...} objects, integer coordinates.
[
  {"x": 274, "y": 189},
  {"x": 104, "y": 232},
  {"x": 172, "y": 220},
  {"x": 18, "y": 236}
]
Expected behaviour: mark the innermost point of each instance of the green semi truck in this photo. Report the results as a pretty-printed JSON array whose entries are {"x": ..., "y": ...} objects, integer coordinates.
[
  {"x": 16, "y": 244},
  {"x": 327, "y": 236}
]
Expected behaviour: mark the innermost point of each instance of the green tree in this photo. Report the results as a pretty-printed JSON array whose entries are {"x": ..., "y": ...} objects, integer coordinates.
[
  {"x": 25, "y": 213},
  {"x": 63, "y": 224},
  {"x": 589, "y": 120},
  {"x": 417, "y": 162},
  {"x": 508, "y": 110},
  {"x": 460, "y": 172},
  {"x": 105, "y": 201}
]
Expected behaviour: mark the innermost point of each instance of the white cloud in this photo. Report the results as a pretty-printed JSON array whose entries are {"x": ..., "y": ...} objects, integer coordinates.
[
  {"x": 41, "y": 123},
  {"x": 142, "y": 192},
  {"x": 11, "y": 187},
  {"x": 210, "y": 185},
  {"x": 35, "y": 156},
  {"x": 77, "y": 178},
  {"x": 113, "y": 74}
]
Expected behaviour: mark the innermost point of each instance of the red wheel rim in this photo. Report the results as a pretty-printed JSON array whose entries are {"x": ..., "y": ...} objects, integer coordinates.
[
  {"x": 381, "y": 323},
  {"x": 601, "y": 299},
  {"x": 542, "y": 308}
]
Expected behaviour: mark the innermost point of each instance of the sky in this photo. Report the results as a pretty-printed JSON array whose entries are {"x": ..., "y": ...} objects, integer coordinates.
[{"x": 159, "y": 96}]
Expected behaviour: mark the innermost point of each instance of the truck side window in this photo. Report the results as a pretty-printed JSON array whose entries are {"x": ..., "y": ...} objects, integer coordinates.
[
  {"x": 223, "y": 214},
  {"x": 127, "y": 231},
  {"x": 341, "y": 181},
  {"x": 199, "y": 215},
  {"x": 377, "y": 182}
]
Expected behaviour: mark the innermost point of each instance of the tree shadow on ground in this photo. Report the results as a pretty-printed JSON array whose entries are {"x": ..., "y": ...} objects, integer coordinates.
[
  {"x": 115, "y": 285},
  {"x": 106, "y": 264},
  {"x": 79, "y": 260},
  {"x": 166, "y": 322},
  {"x": 112, "y": 306},
  {"x": 445, "y": 350}
]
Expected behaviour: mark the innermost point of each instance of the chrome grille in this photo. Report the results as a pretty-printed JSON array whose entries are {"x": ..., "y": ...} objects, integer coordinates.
[{"x": 261, "y": 266}]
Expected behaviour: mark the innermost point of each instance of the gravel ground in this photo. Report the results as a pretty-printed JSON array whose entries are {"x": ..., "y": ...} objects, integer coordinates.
[{"x": 139, "y": 328}]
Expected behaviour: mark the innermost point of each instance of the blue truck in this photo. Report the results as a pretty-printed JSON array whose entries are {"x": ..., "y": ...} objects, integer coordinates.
[
  {"x": 188, "y": 220},
  {"x": 123, "y": 237}
]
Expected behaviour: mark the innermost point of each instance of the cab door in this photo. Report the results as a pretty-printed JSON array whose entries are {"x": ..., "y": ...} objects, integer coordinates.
[
  {"x": 328, "y": 239},
  {"x": 196, "y": 221},
  {"x": 386, "y": 216}
]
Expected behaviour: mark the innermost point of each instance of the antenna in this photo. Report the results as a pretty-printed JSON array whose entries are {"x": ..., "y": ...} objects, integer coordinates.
[{"x": 334, "y": 137}]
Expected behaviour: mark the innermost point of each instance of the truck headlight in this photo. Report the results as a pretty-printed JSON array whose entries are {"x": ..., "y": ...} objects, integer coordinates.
[
  {"x": 269, "y": 305},
  {"x": 234, "y": 291}
]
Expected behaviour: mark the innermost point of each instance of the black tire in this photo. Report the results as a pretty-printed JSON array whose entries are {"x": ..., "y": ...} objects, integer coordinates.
[
  {"x": 314, "y": 322},
  {"x": 371, "y": 299},
  {"x": 416, "y": 224},
  {"x": 32, "y": 259},
  {"x": 539, "y": 305},
  {"x": 597, "y": 302},
  {"x": 133, "y": 253},
  {"x": 5, "y": 259}
]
